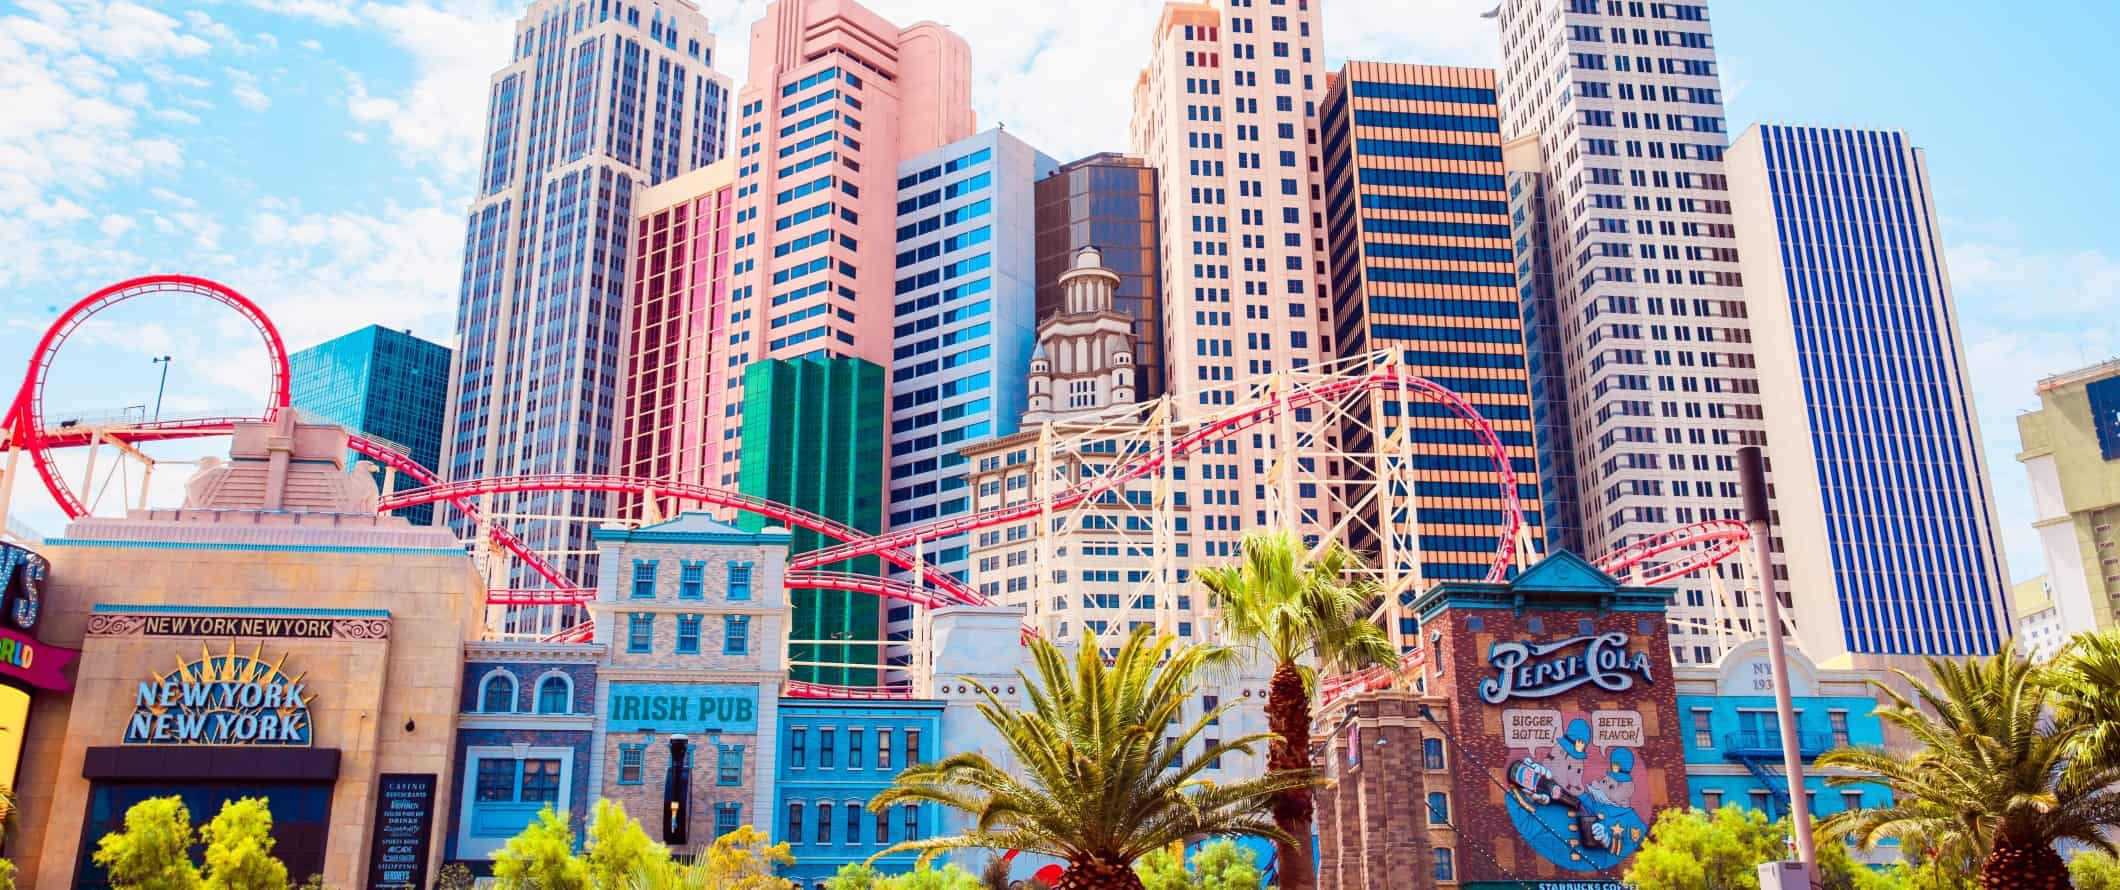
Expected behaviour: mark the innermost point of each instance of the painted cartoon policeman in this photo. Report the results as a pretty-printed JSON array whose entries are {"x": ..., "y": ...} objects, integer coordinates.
[
  {"x": 1617, "y": 827},
  {"x": 1558, "y": 776}
]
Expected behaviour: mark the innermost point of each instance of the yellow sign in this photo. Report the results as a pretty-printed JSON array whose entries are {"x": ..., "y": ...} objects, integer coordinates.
[{"x": 227, "y": 699}]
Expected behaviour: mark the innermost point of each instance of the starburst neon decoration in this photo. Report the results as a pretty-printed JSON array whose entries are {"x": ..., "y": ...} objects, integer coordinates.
[{"x": 226, "y": 699}]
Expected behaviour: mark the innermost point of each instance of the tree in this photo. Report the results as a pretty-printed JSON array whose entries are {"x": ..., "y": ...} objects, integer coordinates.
[
  {"x": 1098, "y": 783},
  {"x": 7, "y": 875},
  {"x": 1693, "y": 850},
  {"x": 2094, "y": 871},
  {"x": 454, "y": 876},
  {"x": 153, "y": 850},
  {"x": 1217, "y": 865},
  {"x": 853, "y": 876},
  {"x": 619, "y": 854},
  {"x": 239, "y": 848},
  {"x": 541, "y": 857},
  {"x": 1992, "y": 778},
  {"x": 923, "y": 878},
  {"x": 1290, "y": 606},
  {"x": 2082, "y": 678},
  {"x": 741, "y": 860}
]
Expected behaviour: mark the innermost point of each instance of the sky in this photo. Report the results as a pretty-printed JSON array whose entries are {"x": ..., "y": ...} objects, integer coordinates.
[{"x": 315, "y": 155}]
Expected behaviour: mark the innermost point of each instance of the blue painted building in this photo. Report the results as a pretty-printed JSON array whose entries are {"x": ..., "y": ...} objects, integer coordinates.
[
  {"x": 1880, "y": 478},
  {"x": 833, "y": 757},
  {"x": 1733, "y": 741},
  {"x": 523, "y": 742}
]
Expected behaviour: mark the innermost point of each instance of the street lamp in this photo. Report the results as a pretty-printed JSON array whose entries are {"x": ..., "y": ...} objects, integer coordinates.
[{"x": 164, "y": 362}]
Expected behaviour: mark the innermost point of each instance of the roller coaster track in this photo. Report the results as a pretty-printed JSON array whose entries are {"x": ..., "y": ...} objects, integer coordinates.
[{"x": 1657, "y": 559}]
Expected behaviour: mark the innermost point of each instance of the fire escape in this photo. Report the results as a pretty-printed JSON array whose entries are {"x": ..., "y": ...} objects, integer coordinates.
[{"x": 1760, "y": 752}]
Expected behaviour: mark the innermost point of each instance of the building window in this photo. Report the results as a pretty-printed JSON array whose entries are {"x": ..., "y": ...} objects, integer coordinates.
[
  {"x": 496, "y": 693},
  {"x": 1710, "y": 799},
  {"x": 824, "y": 822},
  {"x": 688, "y": 634},
  {"x": 1839, "y": 722},
  {"x": 912, "y": 747},
  {"x": 643, "y": 579},
  {"x": 735, "y": 634},
  {"x": 824, "y": 748},
  {"x": 797, "y": 739},
  {"x": 554, "y": 695},
  {"x": 1438, "y": 808},
  {"x": 1851, "y": 800},
  {"x": 1208, "y": 704},
  {"x": 1703, "y": 736},
  {"x": 508, "y": 793},
  {"x": 640, "y": 632},
  {"x": 1761, "y": 802},
  {"x": 1445, "y": 869},
  {"x": 853, "y": 809},
  {"x": 1431, "y": 753},
  {"x": 1209, "y": 744},
  {"x": 909, "y": 822},
  {"x": 883, "y": 827},
  {"x": 729, "y": 771},
  {"x": 630, "y": 759},
  {"x": 739, "y": 580},
  {"x": 691, "y": 580},
  {"x": 853, "y": 748},
  {"x": 794, "y": 824},
  {"x": 727, "y": 818},
  {"x": 883, "y": 749}
]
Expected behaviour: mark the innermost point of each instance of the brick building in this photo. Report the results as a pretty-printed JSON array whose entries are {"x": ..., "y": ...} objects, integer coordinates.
[{"x": 1539, "y": 741}]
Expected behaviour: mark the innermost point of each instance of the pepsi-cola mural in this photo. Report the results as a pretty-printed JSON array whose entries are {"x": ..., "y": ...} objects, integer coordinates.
[{"x": 1563, "y": 711}]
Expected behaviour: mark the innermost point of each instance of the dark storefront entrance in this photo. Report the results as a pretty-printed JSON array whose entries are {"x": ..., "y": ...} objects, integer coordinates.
[{"x": 296, "y": 782}]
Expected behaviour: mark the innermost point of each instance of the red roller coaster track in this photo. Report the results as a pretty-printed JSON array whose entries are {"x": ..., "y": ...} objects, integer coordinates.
[{"x": 1696, "y": 546}]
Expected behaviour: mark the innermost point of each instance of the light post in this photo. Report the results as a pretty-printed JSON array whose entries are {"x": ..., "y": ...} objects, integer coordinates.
[
  {"x": 1752, "y": 479},
  {"x": 164, "y": 362}
]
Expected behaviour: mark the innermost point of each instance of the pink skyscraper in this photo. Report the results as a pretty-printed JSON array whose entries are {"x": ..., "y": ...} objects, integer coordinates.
[
  {"x": 1226, "y": 110},
  {"x": 836, "y": 97}
]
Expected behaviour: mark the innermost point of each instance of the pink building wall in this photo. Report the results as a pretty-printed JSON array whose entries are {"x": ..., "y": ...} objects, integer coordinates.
[{"x": 909, "y": 92}]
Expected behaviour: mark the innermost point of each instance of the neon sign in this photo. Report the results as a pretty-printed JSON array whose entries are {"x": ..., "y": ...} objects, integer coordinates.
[
  {"x": 1542, "y": 670},
  {"x": 226, "y": 699}
]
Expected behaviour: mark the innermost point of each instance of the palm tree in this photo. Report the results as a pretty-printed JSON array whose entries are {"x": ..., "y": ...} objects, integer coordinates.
[
  {"x": 1098, "y": 782},
  {"x": 2083, "y": 678},
  {"x": 1294, "y": 607},
  {"x": 1993, "y": 779}
]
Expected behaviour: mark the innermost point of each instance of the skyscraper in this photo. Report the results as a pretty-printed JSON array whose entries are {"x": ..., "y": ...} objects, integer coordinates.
[
  {"x": 1226, "y": 111},
  {"x": 1418, "y": 228},
  {"x": 1625, "y": 106},
  {"x": 964, "y": 322},
  {"x": 596, "y": 102},
  {"x": 1882, "y": 481},
  {"x": 384, "y": 384},
  {"x": 1107, "y": 201},
  {"x": 2072, "y": 455},
  {"x": 836, "y": 99},
  {"x": 675, "y": 333}
]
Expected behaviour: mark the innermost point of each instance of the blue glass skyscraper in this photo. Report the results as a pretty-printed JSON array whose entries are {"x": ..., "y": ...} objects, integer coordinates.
[
  {"x": 385, "y": 384},
  {"x": 598, "y": 100},
  {"x": 1886, "y": 511}
]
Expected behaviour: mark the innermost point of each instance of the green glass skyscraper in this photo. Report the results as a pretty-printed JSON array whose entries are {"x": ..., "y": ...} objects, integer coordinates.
[
  {"x": 813, "y": 439},
  {"x": 386, "y": 384}
]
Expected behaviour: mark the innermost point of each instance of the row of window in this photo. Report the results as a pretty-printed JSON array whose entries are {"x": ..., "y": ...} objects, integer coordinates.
[
  {"x": 691, "y": 579},
  {"x": 735, "y": 634},
  {"x": 827, "y": 747},
  {"x": 804, "y": 830}
]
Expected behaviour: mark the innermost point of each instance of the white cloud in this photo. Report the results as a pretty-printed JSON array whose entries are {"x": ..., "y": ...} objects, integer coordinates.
[
  {"x": 329, "y": 12},
  {"x": 243, "y": 85},
  {"x": 312, "y": 45},
  {"x": 115, "y": 225},
  {"x": 175, "y": 116},
  {"x": 438, "y": 119},
  {"x": 132, "y": 32}
]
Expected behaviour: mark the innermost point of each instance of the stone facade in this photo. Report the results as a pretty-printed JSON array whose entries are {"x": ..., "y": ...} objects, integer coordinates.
[
  {"x": 508, "y": 718},
  {"x": 694, "y": 620},
  {"x": 1372, "y": 821}
]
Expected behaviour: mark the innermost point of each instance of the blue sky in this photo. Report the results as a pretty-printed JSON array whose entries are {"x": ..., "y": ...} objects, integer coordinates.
[{"x": 314, "y": 154}]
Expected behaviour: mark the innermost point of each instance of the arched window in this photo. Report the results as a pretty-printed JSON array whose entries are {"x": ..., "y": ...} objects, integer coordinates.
[
  {"x": 496, "y": 693},
  {"x": 555, "y": 694}
]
